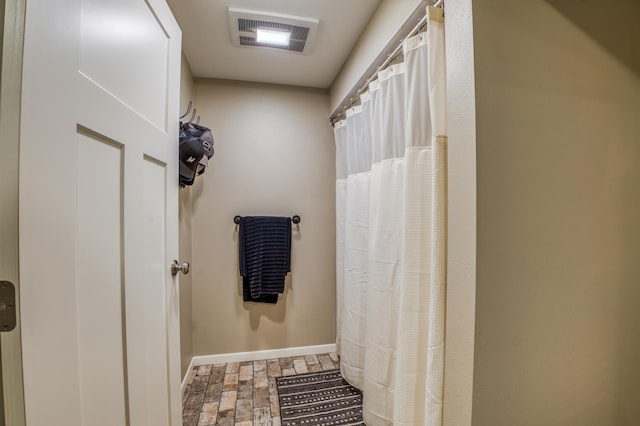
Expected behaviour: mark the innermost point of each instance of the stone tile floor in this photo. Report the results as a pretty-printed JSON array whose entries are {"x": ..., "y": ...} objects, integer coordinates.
[{"x": 243, "y": 393}]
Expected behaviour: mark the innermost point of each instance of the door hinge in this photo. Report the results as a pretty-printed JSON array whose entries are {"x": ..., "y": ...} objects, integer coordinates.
[{"x": 7, "y": 306}]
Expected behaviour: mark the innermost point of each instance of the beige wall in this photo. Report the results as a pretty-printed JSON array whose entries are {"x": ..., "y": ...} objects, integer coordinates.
[
  {"x": 558, "y": 169},
  {"x": 184, "y": 230},
  {"x": 274, "y": 155},
  {"x": 380, "y": 32}
]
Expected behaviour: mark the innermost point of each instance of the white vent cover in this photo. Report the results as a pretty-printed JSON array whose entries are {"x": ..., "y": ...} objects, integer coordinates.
[{"x": 244, "y": 24}]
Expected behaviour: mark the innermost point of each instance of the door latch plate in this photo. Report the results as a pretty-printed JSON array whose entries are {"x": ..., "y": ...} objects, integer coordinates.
[{"x": 7, "y": 306}]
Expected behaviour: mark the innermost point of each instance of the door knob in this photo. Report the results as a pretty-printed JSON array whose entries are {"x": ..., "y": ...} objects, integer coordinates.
[{"x": 177, "y": 267}]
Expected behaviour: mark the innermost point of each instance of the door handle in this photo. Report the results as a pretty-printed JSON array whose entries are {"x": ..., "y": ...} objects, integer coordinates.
[{"x": 177, "y": 267}]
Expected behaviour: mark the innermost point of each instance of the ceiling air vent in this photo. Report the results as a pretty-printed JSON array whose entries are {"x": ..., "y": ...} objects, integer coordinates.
[{"x": 245, "y": 24}]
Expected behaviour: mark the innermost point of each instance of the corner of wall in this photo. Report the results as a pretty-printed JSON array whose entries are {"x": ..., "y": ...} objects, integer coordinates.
[
  {"x": 461, "y": 269},
  {"x": 184, "y": 235}
]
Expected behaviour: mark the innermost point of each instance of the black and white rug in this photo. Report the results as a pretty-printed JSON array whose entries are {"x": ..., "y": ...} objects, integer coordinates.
[{"x": 319, "y": 399}]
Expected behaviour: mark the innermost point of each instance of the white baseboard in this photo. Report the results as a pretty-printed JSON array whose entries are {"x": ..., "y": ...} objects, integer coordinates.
[
  {"x": 185, "y": 379},
  {"x": 255, "y": 356},
  {"x": 265, "y": 354}
]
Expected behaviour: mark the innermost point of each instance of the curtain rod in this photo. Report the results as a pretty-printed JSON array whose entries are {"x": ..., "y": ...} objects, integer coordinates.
[{"x": 350, "y": 101}]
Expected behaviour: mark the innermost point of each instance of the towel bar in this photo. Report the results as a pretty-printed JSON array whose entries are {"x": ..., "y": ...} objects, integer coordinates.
[{"x": 294, "y": 219}]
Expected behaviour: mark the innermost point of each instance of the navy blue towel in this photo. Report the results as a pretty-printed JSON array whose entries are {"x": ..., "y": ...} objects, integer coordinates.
[{"x": 265, "y": 256}]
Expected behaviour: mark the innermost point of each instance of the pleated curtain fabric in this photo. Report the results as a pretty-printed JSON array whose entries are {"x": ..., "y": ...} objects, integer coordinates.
[{"x": 391, "y": 236}]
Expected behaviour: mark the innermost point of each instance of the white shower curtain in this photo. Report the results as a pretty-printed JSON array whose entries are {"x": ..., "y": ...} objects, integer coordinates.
[{"x": 391, "y": 234}]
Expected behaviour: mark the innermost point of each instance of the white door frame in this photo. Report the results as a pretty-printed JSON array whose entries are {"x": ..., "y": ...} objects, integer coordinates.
[{"x": 11, "y": 350}]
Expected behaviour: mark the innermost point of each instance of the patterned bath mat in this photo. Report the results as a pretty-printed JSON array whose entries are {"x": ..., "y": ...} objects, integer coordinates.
[{"x": 319, "y": 399}]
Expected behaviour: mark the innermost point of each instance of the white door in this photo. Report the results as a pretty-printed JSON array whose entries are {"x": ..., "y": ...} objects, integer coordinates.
[{"x": 98, "y": 213}]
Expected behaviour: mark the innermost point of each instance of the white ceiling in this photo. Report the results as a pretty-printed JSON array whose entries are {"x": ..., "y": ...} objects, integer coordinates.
[{"x": 208, "y": 47}]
